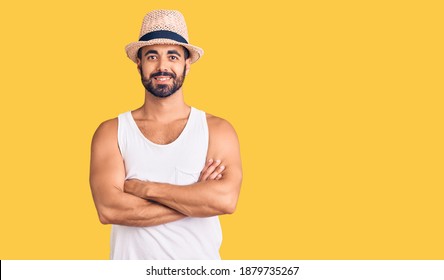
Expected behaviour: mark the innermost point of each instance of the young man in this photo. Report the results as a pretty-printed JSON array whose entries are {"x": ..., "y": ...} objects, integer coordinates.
[{"x": 162, "y": 174}]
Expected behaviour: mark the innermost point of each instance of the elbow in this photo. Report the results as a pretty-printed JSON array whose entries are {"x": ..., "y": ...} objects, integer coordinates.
[
  {"x": 223, "y": 206},
  {"x": 231, "y": 198},
  {"x": 229, "y": 210},
  {"x": 229, "y": 202},
  {"x": 103, "y": 220},
  {"x": 105, "y": 217},
  {"x": 229, "y": 207}
]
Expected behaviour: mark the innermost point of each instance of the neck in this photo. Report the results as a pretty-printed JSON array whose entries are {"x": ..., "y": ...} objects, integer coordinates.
[{"x": 164, "y": 109}]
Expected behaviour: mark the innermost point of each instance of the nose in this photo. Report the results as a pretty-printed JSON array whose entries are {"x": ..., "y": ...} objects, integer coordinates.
[{"x": 163, "y": 65}]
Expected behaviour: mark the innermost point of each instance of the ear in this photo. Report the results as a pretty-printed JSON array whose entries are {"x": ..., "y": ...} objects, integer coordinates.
[
  {"x": 187, "y": 66},
  {"x": 139, "y": 65}
]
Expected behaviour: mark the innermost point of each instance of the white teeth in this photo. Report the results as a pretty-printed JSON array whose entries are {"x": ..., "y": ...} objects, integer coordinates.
[{"x": 162, "y": 79}]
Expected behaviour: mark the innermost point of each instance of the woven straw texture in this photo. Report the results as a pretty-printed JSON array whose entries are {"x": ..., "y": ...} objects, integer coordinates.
[{"x": 163, "y": 20}]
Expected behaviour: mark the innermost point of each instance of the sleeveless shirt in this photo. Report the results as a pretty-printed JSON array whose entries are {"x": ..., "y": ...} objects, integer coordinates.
[{"x": 179, "y": 163}]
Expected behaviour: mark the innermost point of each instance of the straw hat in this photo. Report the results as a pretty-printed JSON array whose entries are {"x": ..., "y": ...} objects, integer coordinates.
[{"x": 163, "y": 27}]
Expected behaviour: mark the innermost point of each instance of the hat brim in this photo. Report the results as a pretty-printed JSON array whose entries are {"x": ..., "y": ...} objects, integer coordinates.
[{"x": 132, "y": 48}]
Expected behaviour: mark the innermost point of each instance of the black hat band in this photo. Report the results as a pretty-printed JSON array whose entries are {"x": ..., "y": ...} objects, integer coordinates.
[{"x": 163, "y": 34}]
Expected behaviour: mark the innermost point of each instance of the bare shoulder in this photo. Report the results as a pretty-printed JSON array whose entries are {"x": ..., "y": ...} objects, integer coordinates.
[
  {"x": 223, "y": 142},
  {"x": 105, "y": 138},
  {"x": 106, "y": 130},
  {"x": 104, "y": 147},
  {"x": 220, "y": 127}
]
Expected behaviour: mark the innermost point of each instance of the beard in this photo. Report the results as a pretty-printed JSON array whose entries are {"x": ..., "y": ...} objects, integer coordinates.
[{"x": 163, "y": 91}]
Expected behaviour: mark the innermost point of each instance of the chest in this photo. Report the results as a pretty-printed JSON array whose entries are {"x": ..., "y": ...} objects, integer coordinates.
[
  {"x": 161, "y": 133},
  {"x": 179, "y": 163}
]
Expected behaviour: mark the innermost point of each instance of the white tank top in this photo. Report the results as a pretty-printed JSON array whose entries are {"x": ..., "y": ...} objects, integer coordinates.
[{"x": 179, "y": 163}]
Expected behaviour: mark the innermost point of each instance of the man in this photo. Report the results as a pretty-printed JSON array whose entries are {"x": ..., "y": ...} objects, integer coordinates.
[{"x": 162, "y": 174}]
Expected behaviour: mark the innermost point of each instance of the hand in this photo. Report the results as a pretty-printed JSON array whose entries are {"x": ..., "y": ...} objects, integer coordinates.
[
  {"x": 212, "y": 171},
  {"x": 133, "y": 186}
]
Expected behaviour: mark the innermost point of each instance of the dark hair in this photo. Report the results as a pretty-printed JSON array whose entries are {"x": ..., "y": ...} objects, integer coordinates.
[{"x": 185, "y": 50}]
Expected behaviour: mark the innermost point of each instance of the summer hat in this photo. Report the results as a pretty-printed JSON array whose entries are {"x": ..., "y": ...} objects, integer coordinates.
[{"x": 163, "y": 27}]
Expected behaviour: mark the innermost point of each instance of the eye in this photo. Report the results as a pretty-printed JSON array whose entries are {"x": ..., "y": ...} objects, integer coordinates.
[
  {"x": 174, "y": 57},
  {"x": 151, "y": 57}
]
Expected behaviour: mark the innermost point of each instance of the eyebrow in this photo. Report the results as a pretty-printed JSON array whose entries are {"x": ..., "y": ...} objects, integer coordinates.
[
  {"x": 151, "y": 52},
  {"x": 174, "y": 52},
  {"x": 169, "y": 52}
]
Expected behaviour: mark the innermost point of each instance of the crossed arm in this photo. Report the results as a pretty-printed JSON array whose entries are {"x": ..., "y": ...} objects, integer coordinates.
[{"x": 139, "y": 203}]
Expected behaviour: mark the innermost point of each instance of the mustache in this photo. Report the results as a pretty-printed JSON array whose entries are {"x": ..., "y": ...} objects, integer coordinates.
[{"x": 172, "y": 75}]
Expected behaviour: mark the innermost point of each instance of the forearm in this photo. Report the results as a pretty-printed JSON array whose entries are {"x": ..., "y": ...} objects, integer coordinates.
[
  {"x": 130, "y": 210},
  {"x": 201, "y": 199}
]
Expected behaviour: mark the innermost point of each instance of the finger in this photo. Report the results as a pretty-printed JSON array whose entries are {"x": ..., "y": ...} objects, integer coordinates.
[
  {"x": 210, "y": 170},
  {"x": 128, "y": 185},
  {"x": 216, "y": 172},
  {"x": 207, "y": 164},
  {"x": 218, "y": 176}
]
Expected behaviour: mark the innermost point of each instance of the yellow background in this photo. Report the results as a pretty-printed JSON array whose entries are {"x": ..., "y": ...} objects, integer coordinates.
[{"x": 338, "y": 106}]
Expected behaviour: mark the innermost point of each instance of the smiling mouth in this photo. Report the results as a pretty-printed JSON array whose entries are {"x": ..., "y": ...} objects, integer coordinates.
[{"x": 162, "y": 78}]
